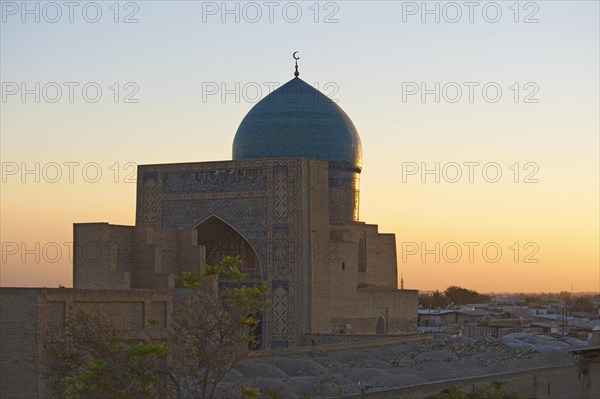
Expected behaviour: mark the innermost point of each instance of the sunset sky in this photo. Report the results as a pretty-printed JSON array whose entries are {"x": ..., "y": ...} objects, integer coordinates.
[{"x": 517, "y": 90}]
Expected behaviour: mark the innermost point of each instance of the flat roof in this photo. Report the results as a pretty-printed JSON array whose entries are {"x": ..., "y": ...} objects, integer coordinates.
[{"x": 586, "y": 350}]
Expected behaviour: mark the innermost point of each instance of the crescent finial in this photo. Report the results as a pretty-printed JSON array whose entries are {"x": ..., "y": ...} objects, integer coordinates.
[{"x": 296, "y": 73}]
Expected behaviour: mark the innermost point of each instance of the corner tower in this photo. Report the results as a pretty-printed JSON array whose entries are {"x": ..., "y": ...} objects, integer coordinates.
[{"x": 297, "y": 120}]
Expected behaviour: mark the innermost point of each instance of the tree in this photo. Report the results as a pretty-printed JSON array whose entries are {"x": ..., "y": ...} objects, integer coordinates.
[
  {"x": 452, "y": 295},
  {"x": 433, "y": 301},
  {"x": 564, "y": 295},
  {"x": 581, "y": 304},
  {"x": 211, "y": 333},
  {"x": 463, "y": 296},
  {"x": 208, "y": 336},
  {"x": 96, "y": 359}
]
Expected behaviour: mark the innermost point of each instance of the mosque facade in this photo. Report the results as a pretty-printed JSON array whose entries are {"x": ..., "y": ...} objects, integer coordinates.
[{"x": 287, "y": 204}]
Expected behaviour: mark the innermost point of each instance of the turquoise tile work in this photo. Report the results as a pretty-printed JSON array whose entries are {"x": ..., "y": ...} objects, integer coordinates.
[{"x": 296, "y": 120}]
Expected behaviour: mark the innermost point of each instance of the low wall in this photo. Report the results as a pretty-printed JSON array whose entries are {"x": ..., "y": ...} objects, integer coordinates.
[
  {"x": 326, "y": 339},
  {"x": 356, "y": 342},
  {"x": 559, "y": 382}
]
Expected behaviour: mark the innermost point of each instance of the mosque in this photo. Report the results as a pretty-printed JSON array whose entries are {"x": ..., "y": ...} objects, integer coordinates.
[{"x": 287, "y": 204}]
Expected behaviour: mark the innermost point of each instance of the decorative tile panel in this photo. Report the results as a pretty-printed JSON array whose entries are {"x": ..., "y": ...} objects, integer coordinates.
[
  {"x": 280, "y": 192},
  {"x": 261, "y": 199},
  {"x": 213, "y": 180},
  {"x": 150, "y": 201},
  {"x": 280, "y": 309}
]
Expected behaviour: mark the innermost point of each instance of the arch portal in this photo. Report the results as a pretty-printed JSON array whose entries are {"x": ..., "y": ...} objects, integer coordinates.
[{"x": 220, "y": 239}]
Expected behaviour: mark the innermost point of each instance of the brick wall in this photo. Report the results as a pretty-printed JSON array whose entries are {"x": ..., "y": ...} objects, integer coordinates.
[
  {"x": 119, "y": 257},
  {"x": 31, "y": 317},
  {"x": 18, "y": 343}
]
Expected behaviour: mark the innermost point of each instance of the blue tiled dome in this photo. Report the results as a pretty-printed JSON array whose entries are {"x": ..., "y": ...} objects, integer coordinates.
[{"x": 296, "y": 120}]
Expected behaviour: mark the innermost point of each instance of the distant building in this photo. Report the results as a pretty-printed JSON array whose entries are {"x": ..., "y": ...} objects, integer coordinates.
[
  {"x": 588, "y": 369},
  {"x": 558, "y": 323},
  {"x": 450, "y": 321},
  {"x": 507, "y": 300}
]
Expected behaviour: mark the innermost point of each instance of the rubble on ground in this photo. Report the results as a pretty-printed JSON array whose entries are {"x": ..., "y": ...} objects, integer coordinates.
[{"x": 320, "y": 373}]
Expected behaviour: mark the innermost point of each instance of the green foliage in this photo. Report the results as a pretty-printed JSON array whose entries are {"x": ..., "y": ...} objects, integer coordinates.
[
  {"x": 581, "y": 304},
  {"x": 96, "y": 359},
  {"x": 250, "y": 392},
  {"x": 564, "y": 295},
  {"x": 189, "y": 279},
  {"x": 227, "y": 269},
  {"x": 143, "y": 349},
  {"x": 452, "y": 295},
  {"x": 462, "y": 296},
  {"x": 213, "y": 333},
  {"x": 433, "y": 301}
]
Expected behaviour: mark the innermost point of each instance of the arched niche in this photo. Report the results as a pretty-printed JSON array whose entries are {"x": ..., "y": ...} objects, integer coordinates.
[
  {"x": 380, "y": 328},
  {"x": 221, "y": 239},
  {"x": 361, "y": 253}
]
